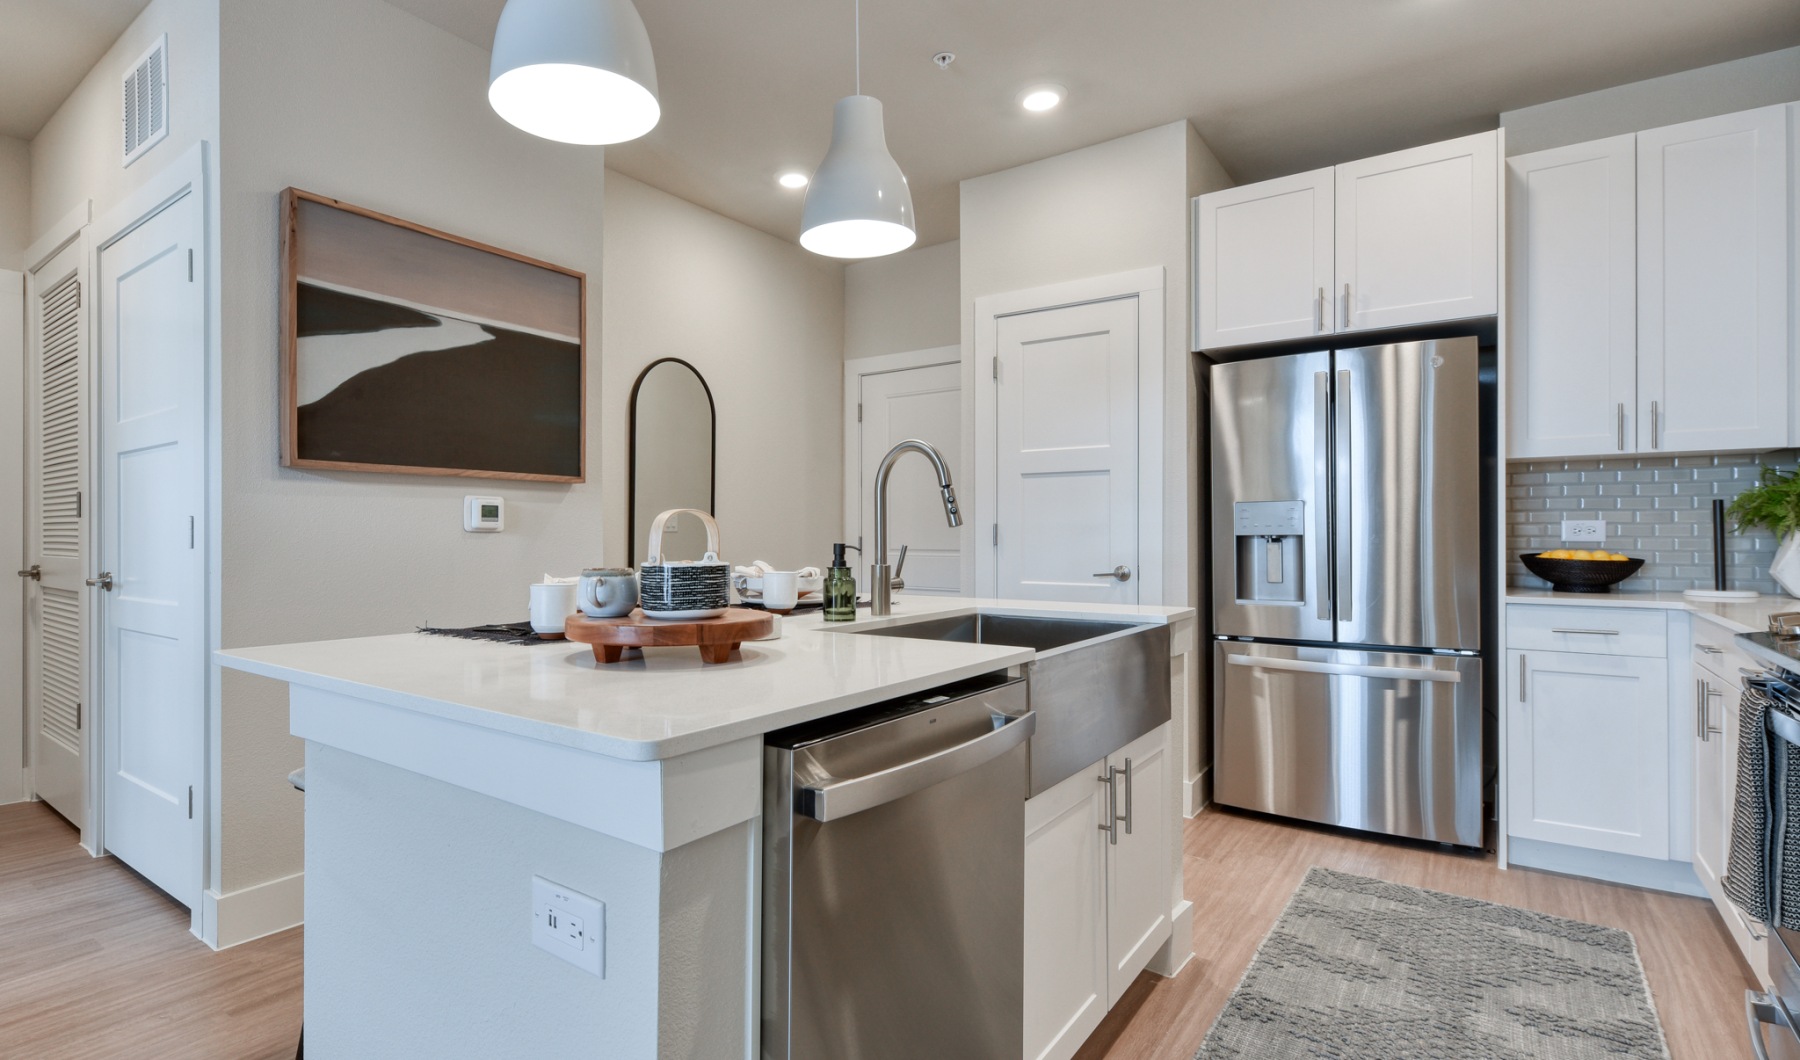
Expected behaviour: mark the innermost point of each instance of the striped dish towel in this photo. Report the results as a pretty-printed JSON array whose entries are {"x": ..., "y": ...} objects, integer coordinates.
[{"x": 1762, "y": 874}]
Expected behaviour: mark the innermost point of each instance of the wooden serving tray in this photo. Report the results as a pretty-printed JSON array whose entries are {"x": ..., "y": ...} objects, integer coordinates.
[{"x": 716, "y": 638}]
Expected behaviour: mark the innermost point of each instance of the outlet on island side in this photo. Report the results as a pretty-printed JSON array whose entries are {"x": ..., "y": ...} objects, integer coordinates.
[
  {"x": 1584, "y": 531},
  {"x": 569, "y": 925}
]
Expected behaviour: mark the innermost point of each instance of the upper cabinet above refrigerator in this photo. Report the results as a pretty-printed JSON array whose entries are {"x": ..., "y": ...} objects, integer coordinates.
[{"x": 1393, "y": 241}]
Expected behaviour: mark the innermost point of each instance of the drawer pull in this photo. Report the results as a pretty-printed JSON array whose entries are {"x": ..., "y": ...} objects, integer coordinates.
[
  {"x": 1710, "y": 650},
  {"x": 1589, "y": 632}
]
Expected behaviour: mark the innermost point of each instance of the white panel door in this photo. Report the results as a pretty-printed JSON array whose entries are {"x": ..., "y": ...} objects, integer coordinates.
[
  {"x": 1713, "y": 284},
  {"x": 1065, "y": 915},
  {"x": 1418, "y": 235},
  {"x": 1068, "y": 454},
  {"x": 1263, "y": 261},
  {"x": 923, "y": 403},
  {"x": 151, "y": 484},
  {"x": 1572, "y": 362},
  {"x": 1714, "y": 775},
  {"x": 1588, "y": 752},
  {"x": 1137, "y": 865},
  {"x": 56, "y": 648}
]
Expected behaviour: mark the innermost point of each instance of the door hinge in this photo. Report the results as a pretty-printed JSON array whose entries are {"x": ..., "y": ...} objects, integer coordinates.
[
  {"x": 190, "y": 264},
  {"x": 859, "y": 412},
  {"x": 190, "y": 802},
  {"x": 78, "y": 717},
  {"x": 996, "y": 369},
  {"x": 77, "y": 504},
  {"x": 190, "y": 531},
  {"x": 996, "y": 533}
]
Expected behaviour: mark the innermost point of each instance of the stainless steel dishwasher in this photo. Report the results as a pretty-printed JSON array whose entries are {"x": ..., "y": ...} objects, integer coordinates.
[{"x": 894, "y": 879}]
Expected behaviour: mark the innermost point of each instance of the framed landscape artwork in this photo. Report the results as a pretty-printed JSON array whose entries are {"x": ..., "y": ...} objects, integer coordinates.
[{"x": 410, "y": 350}]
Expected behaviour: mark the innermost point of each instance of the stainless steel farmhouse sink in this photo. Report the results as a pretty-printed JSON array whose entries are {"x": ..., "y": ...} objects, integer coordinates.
[{"x": 1095, "y": 686}]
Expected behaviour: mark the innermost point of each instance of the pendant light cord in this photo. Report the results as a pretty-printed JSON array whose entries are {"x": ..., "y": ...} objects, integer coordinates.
[{"x": 859, "y": 47}]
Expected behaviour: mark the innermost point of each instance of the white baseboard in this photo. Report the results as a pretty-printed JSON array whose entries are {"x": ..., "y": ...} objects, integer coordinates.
[
  {"x": 230, "y": 919},
  {"x": 1193, "y": 793},
  {"x": 1675, "y": 877},
  {"x": 1179, "y": 950}
]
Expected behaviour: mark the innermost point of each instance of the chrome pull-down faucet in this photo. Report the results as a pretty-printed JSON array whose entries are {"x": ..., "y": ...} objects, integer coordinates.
[{"x": 881, "y": 576}]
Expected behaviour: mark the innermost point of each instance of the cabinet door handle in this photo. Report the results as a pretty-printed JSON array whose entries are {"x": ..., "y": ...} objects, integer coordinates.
[
  {"x": 1709, "y": 693},
  {"x": 1655, "y": 426},
  {"x": 1521, "y": 677},
  {"x": 1710, "y": 650},
  {"x": 1111, "y": 827},
  {"x": 1346, "y": 306},
  {"x": 1590, "y": 632},
  {"x": 1129, "y": 785},
  {"x": 1621, "y": 426},
  {"x": 1699, "y": 709},
  {"x": 1319, "y": 311}
]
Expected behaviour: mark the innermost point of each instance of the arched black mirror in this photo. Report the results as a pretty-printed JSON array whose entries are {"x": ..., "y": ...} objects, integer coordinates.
[{"x": 673, "y": 450}]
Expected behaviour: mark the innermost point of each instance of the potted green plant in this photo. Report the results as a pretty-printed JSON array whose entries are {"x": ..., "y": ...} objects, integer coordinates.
[{"x": 1773, "y": 504}]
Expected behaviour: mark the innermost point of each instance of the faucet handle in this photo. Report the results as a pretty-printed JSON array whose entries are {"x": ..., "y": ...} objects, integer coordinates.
[{"x": 897, "y": 581}]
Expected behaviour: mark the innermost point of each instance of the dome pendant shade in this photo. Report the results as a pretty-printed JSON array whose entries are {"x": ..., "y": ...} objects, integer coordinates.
[
  {"x": 576, "y": 71},
  {"x": 858, "y": 205}
]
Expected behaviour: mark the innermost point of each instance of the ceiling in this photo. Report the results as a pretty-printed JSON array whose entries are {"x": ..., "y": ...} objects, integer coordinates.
[{"x": 47, "y": 47}]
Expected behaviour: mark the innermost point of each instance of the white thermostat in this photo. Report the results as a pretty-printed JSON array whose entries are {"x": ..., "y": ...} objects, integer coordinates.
[{"x": 484, "y": 515}]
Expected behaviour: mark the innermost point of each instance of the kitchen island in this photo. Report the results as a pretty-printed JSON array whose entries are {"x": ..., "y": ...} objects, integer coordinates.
[{"x": 443, "y": 775}]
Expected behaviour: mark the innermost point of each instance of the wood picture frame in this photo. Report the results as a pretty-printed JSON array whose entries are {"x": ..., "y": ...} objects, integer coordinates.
[{"x": 426, "y": 353}]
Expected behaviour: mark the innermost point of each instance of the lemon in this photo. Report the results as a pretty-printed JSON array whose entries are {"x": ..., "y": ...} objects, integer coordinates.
[
  {"x": 1619, "y": 557},
  {"x": 1555, "y": 553},
  {"x": 1581, "y": 553}
]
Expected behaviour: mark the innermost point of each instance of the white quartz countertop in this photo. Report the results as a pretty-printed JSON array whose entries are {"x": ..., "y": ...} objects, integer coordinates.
[
  {"x": 665, "y": 702},
  {"x": 1738, "y": 616}
]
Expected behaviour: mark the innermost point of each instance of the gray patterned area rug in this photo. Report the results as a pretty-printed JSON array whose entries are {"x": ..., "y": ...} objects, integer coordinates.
[{"x": 1358, "y": 969}]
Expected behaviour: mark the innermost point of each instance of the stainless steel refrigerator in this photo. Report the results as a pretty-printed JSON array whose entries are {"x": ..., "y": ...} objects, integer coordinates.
[{"x": 1347, "y": 578}]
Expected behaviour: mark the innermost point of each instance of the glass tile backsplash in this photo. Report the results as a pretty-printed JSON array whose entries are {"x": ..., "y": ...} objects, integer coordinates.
[{"x": 1658, "y": 508}]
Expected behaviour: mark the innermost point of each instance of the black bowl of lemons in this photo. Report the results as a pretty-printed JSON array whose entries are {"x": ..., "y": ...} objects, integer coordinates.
[{"x": 1581, "y": 570}]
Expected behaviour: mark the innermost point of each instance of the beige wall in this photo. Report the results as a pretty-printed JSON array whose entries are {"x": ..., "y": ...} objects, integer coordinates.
[
  {"x": 76, "y": 155},
  {"x": 903, "y": 302},
  {"x": 763, "y": 321},
  {"x": 1743, "y": 84},
  {"x": 15, "y": 202},
  {"x": 358, "y": 100}
]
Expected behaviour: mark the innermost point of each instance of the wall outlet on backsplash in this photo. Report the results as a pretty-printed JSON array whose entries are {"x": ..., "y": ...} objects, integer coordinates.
[{"x": 1584, "y": 531}]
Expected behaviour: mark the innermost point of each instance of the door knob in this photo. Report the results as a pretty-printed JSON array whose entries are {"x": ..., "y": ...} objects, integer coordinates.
[
  {"x": 1121, "y": 572},
  {"x": 35, "y": 572},
  {"x": 104, "y": 581}
]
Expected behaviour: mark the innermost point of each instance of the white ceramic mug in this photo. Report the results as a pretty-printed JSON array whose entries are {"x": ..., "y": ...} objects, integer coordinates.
[
  {"x": 780, "y": 590},
  {"x": 607, "y": 592},
  {"x": 551, "y": 603}
]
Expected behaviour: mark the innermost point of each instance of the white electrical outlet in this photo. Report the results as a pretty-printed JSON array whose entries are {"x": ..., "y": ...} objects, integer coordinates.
[
  {"x": 1584, "y": 531},
  {"x": 570, "y": 925}
]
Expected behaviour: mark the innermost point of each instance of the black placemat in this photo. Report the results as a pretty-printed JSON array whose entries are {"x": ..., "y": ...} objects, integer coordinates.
[{"x": 504, "y": 632}]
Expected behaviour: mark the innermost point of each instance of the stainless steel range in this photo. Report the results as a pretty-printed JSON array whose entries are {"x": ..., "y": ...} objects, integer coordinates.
[{"x": 1347, "y": 585}]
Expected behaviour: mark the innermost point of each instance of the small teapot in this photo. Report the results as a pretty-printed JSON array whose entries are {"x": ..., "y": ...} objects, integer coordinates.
[{"x": 685, "y": 589}]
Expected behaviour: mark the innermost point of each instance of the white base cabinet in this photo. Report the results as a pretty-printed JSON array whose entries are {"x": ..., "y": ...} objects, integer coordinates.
[
  {"x": 1714, "y": 738},
  {"x": 1098, "y": 851}
]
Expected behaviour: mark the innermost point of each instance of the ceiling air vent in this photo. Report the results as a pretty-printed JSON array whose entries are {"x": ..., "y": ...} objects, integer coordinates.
[{"x": 146, "y": 99}]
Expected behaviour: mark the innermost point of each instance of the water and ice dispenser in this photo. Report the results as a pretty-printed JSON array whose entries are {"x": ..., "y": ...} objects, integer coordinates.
[{"x": 1270, "y": 558}]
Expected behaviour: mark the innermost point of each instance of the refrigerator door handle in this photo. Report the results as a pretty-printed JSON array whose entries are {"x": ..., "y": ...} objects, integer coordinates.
[
  {"x": 1322, "y": 487},
  {"x": 1343, "y": 488},
  {"x": 1307, "y": 666}
]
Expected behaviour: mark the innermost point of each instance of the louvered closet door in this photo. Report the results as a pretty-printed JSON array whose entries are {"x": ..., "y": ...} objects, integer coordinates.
[{"x": 56, "y": 638}]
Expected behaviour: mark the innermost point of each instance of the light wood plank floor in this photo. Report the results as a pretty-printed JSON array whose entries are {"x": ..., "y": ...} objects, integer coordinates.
[
  {"x": 1241, "y": 870},
  {"x": 96, "y": 964}
]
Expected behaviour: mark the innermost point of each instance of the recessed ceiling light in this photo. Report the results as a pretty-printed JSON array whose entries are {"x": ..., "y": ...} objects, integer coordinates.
[
  {"x": 793, "y": 180},
  {"x": 1041, "y": 97}
]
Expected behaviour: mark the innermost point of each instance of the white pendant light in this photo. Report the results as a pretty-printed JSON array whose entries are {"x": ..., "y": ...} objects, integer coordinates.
[
  {"x": 858, "y": 205},
  {"x": 577, "y": 71}
]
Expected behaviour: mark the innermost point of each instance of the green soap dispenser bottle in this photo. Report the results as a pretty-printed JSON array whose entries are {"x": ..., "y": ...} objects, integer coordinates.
[{"x": 840, "y": 587}]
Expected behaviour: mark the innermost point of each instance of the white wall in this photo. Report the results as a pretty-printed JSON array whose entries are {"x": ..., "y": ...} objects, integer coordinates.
[
  {"x": 1742, "y": 84},
  {"x": 903, "y": 302},
  {"x": 15, "y": 202},
  {"x": 76, "y": 155},
  {"x": 358, "y": 100},
  {"x": 763, "y": 321}
]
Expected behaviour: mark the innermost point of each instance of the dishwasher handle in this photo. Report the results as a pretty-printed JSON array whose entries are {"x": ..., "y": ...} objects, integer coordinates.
[{"x": 841, "y": 798}]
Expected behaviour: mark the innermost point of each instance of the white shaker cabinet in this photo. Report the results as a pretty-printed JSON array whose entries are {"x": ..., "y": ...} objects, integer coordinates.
[
  {"x": 1713, "y": 283},
  {"x": 1418, "y": 235},
  {"x": 1406, "y": 238},
  {"x": 1098, "y": 849},
  {"x": 1572, "y": 229},
  {"x": 1265, "y": 253},
  {"x": 1588, "y": 750},
  {"x": 1714, "y": 738}
]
